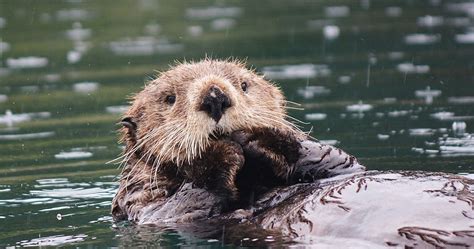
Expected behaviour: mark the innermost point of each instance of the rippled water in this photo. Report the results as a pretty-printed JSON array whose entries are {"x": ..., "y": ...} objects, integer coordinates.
[{"x": 389, "y": 81}]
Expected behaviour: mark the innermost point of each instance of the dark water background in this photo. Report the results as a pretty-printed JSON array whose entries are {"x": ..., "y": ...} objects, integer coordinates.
[{"x": 389, "y": 81}]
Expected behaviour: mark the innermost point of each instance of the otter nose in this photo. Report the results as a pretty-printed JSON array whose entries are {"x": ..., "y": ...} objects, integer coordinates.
[{"x": 214, "y": 103}]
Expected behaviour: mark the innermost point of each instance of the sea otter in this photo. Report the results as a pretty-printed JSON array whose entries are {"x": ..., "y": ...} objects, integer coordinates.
[
  {"x": 208, "y": 142},
  {"x": 219, "y": 126}
]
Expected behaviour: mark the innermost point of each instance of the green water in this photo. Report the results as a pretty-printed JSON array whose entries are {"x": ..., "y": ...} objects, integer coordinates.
[{"x": 368, "y": 55}]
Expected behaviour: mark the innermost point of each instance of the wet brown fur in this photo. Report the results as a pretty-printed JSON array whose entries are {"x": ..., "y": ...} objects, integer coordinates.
[{"x": 167, "y": 145}]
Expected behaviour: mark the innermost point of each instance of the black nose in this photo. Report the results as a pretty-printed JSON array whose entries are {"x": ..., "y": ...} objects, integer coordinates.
[{"x": 214, "y": 103}]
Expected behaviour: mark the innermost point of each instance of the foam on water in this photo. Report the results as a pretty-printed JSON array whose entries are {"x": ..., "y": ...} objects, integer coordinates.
[
  {"x": 78, "y": 33},
  {"x": 223, "y": 23},
  {"x": 3, "y": 22},
  {"x": 430, "y": 21},
  {"x": 449, "y": 116},
  {"x": 144, "y": 45},
  {"x": 344, "y": 79},
  {"x": 421, "y": 132},
  {"x": 300, "y": 71},
  {"x": 315, "y": 116},
  {"x": 359, "y": 107},
  {"x": 152, "y": 28},
  {"x": 73, "y": 15},
  {"x": 383, "y": 136},
  {"x": 26, "y": 136},
  {"x": 309, "y": 92},
  {"x": 73, "y": 155},
  {"x": 55, "y": 240},
  {"x": 212, "y": 12},
  {"x": 401, "y": 113},
  {"x": 10, "y": 119},
  {"x": 411, "y": 68},
  {"x": 422, "y": 39},
  {"x": 393, "y": 11},
  {"x": 117, "y": 109},
  {"x": 75, "y": 193},
  {"x": 461, "y": 100},
  {"x": 195, "y": 30},
  {"x": 27, "y": 62},
  {"x": 461, "y": 7},
  {"x": 4, "y": 46},
  {"x": 85, "y": 87},
  {"x": 467, "y": 38},
  {"x": 337, "y": 11},
  {"x": 396, "y": 55}
]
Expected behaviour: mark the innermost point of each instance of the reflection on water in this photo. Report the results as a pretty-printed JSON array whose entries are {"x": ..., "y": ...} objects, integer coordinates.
[{"x": 389, "y": 81}]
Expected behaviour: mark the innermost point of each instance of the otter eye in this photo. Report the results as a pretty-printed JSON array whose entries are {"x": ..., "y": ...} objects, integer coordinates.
[
  {"x": 244, "y": 86},
  {"x": 170, "y": 99}
]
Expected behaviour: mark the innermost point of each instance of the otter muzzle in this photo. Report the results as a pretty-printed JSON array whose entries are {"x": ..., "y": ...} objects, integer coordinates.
[{"x": 214, "y": 103}]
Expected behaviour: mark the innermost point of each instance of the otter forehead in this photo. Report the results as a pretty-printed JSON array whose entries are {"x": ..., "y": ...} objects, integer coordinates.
[{"x": 190, "y": 72}]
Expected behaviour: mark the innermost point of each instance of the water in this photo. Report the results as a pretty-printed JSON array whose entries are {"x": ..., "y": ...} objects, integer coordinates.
[{"x": 389, "y": 81}]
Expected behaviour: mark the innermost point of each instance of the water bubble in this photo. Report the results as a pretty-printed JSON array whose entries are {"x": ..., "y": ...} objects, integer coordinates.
[
  {"x": 331, "y": 32},
  {"x": 73, "y": 56},
  {"x": 427, "y": 94},
  {"x": 459, "y": 127}
]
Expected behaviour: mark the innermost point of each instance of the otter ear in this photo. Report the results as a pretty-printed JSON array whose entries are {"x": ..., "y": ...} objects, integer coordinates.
[{"x": 128, "y": 123}]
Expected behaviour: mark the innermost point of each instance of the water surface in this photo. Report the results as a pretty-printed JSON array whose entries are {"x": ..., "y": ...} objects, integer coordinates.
[{"x": 388, "y": 81}]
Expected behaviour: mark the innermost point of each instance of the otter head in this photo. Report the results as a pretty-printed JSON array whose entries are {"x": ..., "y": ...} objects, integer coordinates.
[{"x": 177, "y": 115}]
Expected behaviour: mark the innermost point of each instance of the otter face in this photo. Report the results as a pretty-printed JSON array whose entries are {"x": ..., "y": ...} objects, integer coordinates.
[{"x": 176, "y": 116}]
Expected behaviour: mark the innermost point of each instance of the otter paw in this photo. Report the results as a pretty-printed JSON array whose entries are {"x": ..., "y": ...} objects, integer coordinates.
[{"x": 217, "y": 168}]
